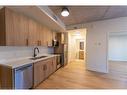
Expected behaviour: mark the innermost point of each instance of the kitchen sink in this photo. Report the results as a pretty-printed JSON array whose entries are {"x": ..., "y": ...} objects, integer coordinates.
[{"x": 39, "y": 57}]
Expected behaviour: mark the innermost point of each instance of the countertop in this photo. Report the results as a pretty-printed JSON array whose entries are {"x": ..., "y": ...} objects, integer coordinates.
[{"x": 15, "y": 63}]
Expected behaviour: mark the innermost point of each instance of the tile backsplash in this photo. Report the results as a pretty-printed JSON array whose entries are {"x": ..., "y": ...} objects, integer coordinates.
[{"x": 11, "y": 52}]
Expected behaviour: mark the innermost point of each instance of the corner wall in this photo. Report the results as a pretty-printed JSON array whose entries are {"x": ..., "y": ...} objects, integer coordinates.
[{"x": 97, "y": 42}]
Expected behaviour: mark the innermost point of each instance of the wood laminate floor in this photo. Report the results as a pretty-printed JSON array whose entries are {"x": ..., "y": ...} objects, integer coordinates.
[{"x": 75, "y": 76}]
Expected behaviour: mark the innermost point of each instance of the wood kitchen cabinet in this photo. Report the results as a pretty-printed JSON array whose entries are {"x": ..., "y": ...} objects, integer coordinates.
[
  {"x": 35, "y": 73},
  {"x": 44, "y": 69},
  {"x": 32, "y": 34},
  {"x": 19, "y": 30},
  {"x": 49, "y": 37},
  {"x": 54, "y": 35},
  {"x": 6, "y": 78},
  {"x": 48, "y": 69},
  {"x": 50, "y": 66},
  {"x": 41, "y": 39},
  {"x": 39, "y": 72},
  {"x": 54, "y": 64},
  {"x": 14, "y": 28}
]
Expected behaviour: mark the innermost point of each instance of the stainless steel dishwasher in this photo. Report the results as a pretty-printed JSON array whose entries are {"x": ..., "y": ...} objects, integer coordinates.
[{"x": 24, "y": 77}]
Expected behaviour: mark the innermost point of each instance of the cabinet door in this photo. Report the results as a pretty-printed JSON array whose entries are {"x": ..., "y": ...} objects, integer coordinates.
[
  {"x": 9, "y": 20},
  {"x": 32, "y": 33},
  {"x": 54, "y": 35},
  {"x": 54, "y": 64},
  {"x": 16, "y": 28},
  {"x": 48, "y": 70},
  {"x": 39, "y": 71},
  {"x": 42, "y": 36},
  {"x": 49, "y": 37},
  {"x": 45, "y": 36},
  {"x": 38, "y": 34}
]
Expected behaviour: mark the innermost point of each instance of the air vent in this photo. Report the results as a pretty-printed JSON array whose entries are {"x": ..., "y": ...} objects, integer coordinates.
[{"x": 55, "y": 17}]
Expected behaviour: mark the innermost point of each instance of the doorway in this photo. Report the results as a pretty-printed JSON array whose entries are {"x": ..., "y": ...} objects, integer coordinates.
[
  {"x": 80, "y": 49},
  {"x": 117, "y": 54},
  {"x": 77, "y": 45}
]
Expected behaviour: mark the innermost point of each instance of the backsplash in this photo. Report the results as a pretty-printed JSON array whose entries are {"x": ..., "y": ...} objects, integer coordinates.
[{"x": 10, "y": 52}]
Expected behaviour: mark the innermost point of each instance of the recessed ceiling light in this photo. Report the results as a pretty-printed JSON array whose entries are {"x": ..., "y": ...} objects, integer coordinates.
[{"x": 65, "y": 12}]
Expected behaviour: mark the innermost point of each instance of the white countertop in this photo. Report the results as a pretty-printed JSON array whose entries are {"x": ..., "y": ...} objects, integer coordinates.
[{"x": 14, "y": 63}]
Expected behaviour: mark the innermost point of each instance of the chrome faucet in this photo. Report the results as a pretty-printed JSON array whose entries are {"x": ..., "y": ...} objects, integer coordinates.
[{"x": 36, "y": 48}]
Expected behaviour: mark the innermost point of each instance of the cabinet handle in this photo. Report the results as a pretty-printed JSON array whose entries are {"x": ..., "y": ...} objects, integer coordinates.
[
  {"x": 26, "y": 42},
  {"x": 44, "y": 68},
  {"x": 38, "y": 43},
  {"x": 47, "y": 43}
]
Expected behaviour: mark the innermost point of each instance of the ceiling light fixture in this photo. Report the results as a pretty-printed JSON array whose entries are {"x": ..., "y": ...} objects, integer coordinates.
[{"x": 65, "y": 12}]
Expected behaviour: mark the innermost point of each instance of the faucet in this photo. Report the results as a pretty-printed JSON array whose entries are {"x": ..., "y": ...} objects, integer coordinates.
[{"x": 36, "y": 48}]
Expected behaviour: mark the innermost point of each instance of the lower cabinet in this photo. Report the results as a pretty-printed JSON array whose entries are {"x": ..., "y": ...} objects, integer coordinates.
[
  {"x": 48, "y": 67},
  {"x": 54, "y": 64},
  {"x": 43, "y": 69},
  {"x": 39, "y": 72}
]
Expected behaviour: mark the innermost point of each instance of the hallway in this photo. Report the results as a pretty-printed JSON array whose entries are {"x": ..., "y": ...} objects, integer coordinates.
[{"x": 75, "y": 76}]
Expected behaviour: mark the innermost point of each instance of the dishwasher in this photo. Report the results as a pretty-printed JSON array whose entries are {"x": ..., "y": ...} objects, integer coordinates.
[{"x": 23, "y": 77}]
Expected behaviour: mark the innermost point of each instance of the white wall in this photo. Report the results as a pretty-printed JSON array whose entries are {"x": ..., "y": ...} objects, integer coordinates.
[
  {"x": 118, "y": 47},
  {"x": 12, "y": 52},
  {"x": 97, "y": 42}
]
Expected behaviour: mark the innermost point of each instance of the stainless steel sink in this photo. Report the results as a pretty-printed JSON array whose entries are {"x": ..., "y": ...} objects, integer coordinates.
[{"x": 39, "y": 57}]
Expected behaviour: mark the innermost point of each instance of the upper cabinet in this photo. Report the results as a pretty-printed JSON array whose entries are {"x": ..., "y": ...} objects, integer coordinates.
[
  {"x": 60, "y": 37},
  {"x": 14, "y": 28},
  {"x": 19, "y": 30},
  {"x": 32, "y": 34}
]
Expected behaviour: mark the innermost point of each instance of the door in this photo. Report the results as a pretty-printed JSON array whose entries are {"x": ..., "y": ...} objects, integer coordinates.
[{"x": 81, "y": 50}]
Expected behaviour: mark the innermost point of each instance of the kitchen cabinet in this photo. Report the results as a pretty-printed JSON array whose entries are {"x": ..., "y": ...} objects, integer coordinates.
[
  {"x": 32, "y": 35},
  {"x": 50, "y": 66},
  {"x": 6, "y": 78},
  {"x": 48, "y": 70},
  {"x": 14, "y": 28},
  {"x": 44, "y": 69},
  {"x": 19, "y": 30},
  {"x": 54, "y": 35},
  {"x": 49, "y": 37},
  {"x": 26, "y": 76},
  {"x": 54, "y": 64},
  {"x": 16, "y": 78},
  {"x": 60, "y": 38},
  {"x": 41, "y": 35},
  {"x": 39, "y": 71}
]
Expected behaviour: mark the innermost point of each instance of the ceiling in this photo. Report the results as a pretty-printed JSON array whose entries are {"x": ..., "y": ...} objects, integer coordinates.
[{"x": 84, "y": 14}]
